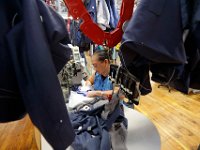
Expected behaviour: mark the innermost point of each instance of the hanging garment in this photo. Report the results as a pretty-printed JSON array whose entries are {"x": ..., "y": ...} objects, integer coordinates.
[
  {"x": 186, "y": 13},
  {"x": 190, "y": 13},
  {"x": 11, "y": 104},
  {"x": 138, "y": 67},
  {"x": 191, "y": 72},
  {"x": 184, "y": 77},
  {"x": 118, "y": 5},
  {"x": 150, "y": 38},
  {"x": 114, "y": 16},
  {"x": 103, "y": 14},
  {"x": 77, "y": 37},
  {"x": 195, "y": 80},
  {"x": 151, "y": 35},
  {"x": 33, "y": 49},
  {"x": 196, "y": 14},
  {"x": 166, "y": 74},
  {"x": 180, "y": 77}
]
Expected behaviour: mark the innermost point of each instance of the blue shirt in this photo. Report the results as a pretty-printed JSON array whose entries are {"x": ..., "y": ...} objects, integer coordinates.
[{"x": 102, "y": 83}]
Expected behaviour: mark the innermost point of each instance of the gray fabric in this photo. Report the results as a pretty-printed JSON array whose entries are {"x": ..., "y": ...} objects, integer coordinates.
[
  {"x": 118, "y": 5},
  {"x": 118, "y": 135},
  {"x": 109, "y": 107},
  {"x": 103, "y": 15}
]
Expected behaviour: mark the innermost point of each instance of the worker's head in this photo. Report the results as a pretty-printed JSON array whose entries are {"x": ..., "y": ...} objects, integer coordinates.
[{"x": 101, "y": 62}]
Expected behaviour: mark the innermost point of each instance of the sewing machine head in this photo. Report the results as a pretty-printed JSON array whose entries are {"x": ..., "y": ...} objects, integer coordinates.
[{"x": 72, "y": 73}]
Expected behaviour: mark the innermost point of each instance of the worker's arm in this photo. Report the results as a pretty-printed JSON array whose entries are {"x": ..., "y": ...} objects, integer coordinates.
[
  {"x": 99, "y": 93},
  {"x": 90, "y": 80}
]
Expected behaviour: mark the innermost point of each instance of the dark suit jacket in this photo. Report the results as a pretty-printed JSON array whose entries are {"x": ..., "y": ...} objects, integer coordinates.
[
  {"x": 155, "y": 32},
  {"x": 33, "y": 49},
  {"x": 187, "y": 75},
  {"x": 153, "y": 35}
]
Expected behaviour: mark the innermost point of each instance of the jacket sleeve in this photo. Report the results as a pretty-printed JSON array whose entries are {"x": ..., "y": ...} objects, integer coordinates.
[
  {"x": 56, "y": 34},
  {"x": 33, "y": 58}
]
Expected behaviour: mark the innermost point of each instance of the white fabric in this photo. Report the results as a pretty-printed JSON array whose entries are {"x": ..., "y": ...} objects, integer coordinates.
[
  {"x": 84, "y": 88},
  {"x": 76, "y": 100},
  {"x": 118, "y": 5},
  {"x": 103, "y": 14}
]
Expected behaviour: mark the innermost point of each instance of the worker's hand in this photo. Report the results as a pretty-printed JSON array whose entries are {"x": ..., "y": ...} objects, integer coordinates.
[
  {"x": 120, "y": 93},
  {"x": 91, "y": 93}
]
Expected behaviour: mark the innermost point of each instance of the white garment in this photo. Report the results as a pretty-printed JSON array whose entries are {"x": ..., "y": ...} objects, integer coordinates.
[
  {"x": 103, "y": 14},
  {"x": 118, "y": 5},
  {"x": 76, "y": 100},
  {"x": 84, "y": 88}
]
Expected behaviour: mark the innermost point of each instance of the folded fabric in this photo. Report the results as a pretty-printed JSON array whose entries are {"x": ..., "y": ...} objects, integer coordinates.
[
  {"x": 84, "y": 88},
  {"x": 76, "y": 100}
]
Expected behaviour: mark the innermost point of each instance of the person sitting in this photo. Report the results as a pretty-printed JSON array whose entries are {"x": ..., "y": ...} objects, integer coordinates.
[
  {"x": 103, "y": 87},
  {"x": 100, "y": 80}
]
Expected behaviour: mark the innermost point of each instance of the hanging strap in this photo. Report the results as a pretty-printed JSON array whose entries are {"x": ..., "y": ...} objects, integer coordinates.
[{"x": 88, "y": 27}]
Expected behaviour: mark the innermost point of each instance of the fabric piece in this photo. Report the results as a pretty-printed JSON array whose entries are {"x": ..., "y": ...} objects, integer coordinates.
[
  {"x": 77, "y": 100},
  {"x": 35, "y": 43},
  {"x": 77, "y": 37},
  {"x": 150, "y": 34},
  {"x": 103, "y": 15},
  {"x": 118, "y": 135},
  {"x": 114, "y": 16},
  {"x": 93, "y": 131},
  {"x": 90, "y": 131}
]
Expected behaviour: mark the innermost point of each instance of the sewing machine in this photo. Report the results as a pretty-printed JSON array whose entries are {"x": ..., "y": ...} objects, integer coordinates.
[{"x": 73, "y": 72}]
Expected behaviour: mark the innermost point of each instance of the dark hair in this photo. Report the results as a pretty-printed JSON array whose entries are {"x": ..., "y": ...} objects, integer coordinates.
[{"x": 102, "y": 55}]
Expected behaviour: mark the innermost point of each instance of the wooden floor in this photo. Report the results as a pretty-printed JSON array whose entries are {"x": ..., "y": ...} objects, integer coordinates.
[
  {"x": 176, "y": 116},
  {"x": 18, "y": 135}
]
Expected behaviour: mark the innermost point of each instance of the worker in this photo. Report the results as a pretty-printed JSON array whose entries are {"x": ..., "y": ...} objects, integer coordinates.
[{"x": 100, "y": 80}]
